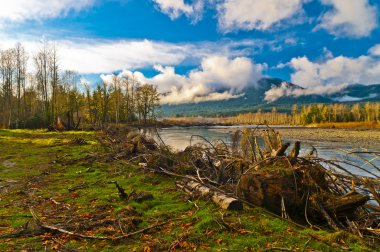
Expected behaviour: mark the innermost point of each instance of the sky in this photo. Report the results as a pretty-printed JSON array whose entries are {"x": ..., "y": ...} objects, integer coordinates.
[{"x": 196, "y": 50}]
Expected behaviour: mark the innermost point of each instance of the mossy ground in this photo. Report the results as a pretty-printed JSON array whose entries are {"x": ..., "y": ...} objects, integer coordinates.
[{"x": 32, "y": 174}]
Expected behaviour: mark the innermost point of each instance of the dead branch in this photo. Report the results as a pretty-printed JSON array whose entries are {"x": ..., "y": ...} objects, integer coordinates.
[
  {"x": 122, "y": 193},
  {"x": 295, "y": 152},
  {"x": 327, "y": 217},
  {"x": 64, "y": 231}
]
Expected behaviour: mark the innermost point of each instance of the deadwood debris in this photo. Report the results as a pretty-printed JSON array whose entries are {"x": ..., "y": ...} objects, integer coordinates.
[{"x": 259, "y": 169}]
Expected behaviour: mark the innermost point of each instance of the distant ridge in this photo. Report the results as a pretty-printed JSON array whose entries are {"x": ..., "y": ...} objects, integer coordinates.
[{"x": 253, "y": 99}]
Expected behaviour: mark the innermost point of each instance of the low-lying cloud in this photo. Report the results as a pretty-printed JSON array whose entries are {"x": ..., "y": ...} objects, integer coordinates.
[
  {"x": 285, "y": 90},
  {"x": 94, "y": 56},
  {"x": 329, "y": 75},
  {"x": 218, "y": 78}
]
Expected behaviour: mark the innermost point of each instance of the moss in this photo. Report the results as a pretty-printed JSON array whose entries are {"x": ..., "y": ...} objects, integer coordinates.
[{"x": 34, "y": 175}]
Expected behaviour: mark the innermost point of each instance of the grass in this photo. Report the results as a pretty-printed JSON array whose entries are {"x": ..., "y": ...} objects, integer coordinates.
[{"x": 32, "y": 173}]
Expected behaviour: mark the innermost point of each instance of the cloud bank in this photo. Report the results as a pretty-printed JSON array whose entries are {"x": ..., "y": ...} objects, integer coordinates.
[
  {"x": 88, "y": 56},
  {"x": 354, "y": 19},
  {"x": 364, "y": 69},
  {"x": 218, "y": 78},
  {"x": 285, "y": 90},
  {"x": 329, "y": 75}
]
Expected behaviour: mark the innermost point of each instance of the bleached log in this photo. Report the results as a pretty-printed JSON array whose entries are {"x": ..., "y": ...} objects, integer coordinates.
[{"x": 222, "y": 200}]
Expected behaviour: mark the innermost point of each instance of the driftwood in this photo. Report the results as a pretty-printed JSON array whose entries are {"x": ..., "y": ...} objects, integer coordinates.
[
  {"x": 327, "y": 217},
  {"x": 280, "y": 151},
  {"x": 295, "y": 152},
  {"x": 263, "y": 172},
  {"x": 222, "y": 200},
  {"x": 346, "y": 202},
  {"x": 298, "y": 188},
  {"x": 268, "y": 189}
]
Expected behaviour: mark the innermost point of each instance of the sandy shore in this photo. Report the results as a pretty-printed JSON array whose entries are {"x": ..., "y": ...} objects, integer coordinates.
[{"x": 338, "y": 137}]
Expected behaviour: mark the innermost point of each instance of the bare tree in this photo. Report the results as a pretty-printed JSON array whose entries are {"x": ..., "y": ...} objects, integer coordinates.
[
  {"x": 54, "y": 79},
  {"x": 20, "y": 69},
  {"x": 41, "y": 61},
  {"x": 7, "y": 70}
]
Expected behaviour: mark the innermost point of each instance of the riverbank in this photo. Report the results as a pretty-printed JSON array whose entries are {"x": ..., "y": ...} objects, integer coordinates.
[
  {"x": 49, "y": 173},
  {"x": 225, "y": 121},
  {"x": 179, "y": 136},
  {"x": 365, "y": 138}
]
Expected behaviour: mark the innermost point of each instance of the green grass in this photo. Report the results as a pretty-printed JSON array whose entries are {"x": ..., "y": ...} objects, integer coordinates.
[{"x": 32, "y": 173}]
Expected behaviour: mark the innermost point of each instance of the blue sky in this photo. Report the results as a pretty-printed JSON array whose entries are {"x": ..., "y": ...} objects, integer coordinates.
[{"x": 199, "y": 47}]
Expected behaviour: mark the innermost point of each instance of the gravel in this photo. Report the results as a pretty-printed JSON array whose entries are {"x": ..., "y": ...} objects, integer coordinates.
[{"x": 369, "y": 138}]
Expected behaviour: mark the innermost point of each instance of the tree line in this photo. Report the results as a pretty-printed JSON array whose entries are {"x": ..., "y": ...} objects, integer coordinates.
[
  {"x": 46, "y": 95},
  {"x": 368, "y": 112}
]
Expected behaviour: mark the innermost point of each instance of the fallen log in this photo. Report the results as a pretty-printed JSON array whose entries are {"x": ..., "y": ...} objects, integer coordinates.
[
  {"x": 220, "y": 199},
  {"x": 346, "y": 203}
]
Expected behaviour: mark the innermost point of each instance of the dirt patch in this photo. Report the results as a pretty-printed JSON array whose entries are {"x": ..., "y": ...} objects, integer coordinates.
[{"x": 8, "y": 164}]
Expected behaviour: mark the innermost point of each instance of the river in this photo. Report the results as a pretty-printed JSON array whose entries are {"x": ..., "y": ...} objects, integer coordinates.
[{"x": 328, "y": 143}]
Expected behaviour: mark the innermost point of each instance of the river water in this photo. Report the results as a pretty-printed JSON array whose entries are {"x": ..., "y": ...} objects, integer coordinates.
[{"x": 179, "y": 138}]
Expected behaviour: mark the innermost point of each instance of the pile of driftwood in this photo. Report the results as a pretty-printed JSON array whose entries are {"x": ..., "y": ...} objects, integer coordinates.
[{"x": 257, "y": 168}]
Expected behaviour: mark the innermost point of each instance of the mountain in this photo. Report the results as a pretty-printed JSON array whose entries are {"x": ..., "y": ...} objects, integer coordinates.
[
  {"x": 358, "y": 92},
  {"x": 253, "y": 99}
]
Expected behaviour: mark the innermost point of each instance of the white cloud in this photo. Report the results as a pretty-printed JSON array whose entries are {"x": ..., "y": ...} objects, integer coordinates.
[
  {"x": 109, "y": 56},
  {"x": 328, "y": 76},
  {"x": 256, "y": 15},
  {"x": 104, "y": 56},
  {"x": 347, "y": 98},
  {"x": 363, "y": 69},
  {"x": 176, "y": 8},
  {"x": 327, "y": 53},
  {"x": 94, "y": 56},
  {"x": 290, "y": 41},
  {"x": 375, "y": 50},
  {"x": 285, "y": 90},
  {"x": 218, "y": 78},
  {"x": 354, "y": 18},
  {"x": 23, "y": 10}
]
